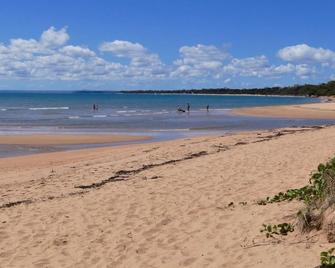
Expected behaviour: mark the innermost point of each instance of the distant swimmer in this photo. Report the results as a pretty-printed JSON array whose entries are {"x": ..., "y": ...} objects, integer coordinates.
[
  {"x": 207, "y": 108},
  {"x": 188, "y": 107},
  {"x": 95, "y": 107}
]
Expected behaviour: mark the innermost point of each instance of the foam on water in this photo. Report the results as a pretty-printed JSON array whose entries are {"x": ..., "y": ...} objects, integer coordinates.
[
  {"x": 100, "y": 116},
  {"x": 48, "y": 108}
]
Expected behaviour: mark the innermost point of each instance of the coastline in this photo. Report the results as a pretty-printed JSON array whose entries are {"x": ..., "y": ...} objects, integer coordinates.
[
  {"x": 168, "y": 205},
  {"x": 28, "y": 144},
  {"x": 66, "y": 139},
  {"x": 322, "y": 110}
]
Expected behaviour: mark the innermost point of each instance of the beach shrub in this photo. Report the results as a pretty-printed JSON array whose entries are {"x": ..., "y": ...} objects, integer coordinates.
[
  {"x": 327, "y": 258},
  {"x": 321, "y": 186},
  {"x": 320, "y": 205},
  {"x": 280, "y": 229},
  {"x": 319, "y": 210}
]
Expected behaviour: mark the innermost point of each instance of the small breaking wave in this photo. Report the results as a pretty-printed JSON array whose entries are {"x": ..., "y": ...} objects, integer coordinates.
[
  {"x": 160, "y": 112},
  {"x": 48, "y": 108},
  {"x": 100, "y": 116}
]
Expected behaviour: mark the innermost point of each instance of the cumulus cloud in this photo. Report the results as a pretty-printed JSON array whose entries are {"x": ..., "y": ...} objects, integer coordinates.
[
  {"x": 51, "y": 57},
  {"x": 303, "y": 52},
  {"x": 260, "y": 67},
  {"x": 54, "y": 38},
  {"x": 122, "y": 48},
  {"x": 143, "y": 63},
  {"x": 199, "y": 60},
  {"x": 77, "y": 51},
  {"x": 252, "y": 66}
]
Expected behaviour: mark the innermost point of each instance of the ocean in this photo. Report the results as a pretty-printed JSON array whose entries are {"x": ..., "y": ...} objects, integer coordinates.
[{"x": 72, "y": 112}]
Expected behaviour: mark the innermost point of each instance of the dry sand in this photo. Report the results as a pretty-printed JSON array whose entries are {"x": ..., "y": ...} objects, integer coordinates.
[
  {"x": 161, "y": 204},
  {"x": 47, "y": 139},
  {"x": 308, "y": 111}
]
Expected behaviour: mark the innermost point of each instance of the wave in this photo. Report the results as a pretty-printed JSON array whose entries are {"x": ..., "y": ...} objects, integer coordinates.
[
  {"x": 100, "y": 116},
  {"x": 48, "y": 108},
  {"x": 3, "y": 110},
  {"x": 160, "y": 112},
  {"x": 74, "y": 117}
]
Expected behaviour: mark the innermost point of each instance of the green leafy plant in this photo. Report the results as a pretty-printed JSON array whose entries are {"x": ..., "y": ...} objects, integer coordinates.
[
  {"x": 327, "y": 258},
  {"x": 316, "y": 190},
  {"x": 280, "y": 229}
]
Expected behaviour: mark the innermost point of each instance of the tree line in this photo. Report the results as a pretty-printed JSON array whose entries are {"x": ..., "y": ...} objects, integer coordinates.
[{"x": 324, "y": 89}]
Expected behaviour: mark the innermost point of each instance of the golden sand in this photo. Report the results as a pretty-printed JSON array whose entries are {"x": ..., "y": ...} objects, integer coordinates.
[{"x": 184, "y": 203}]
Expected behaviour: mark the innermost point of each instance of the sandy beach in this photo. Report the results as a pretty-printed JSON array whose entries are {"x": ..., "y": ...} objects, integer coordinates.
[
  {"x": 306, "y": 111},
  {"x": 185, "y": 203}
]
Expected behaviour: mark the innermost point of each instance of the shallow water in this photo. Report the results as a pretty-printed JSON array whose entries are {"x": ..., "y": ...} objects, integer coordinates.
[
  {"x": 72, "y": 112},
  {"x": 144, "y": 114}
]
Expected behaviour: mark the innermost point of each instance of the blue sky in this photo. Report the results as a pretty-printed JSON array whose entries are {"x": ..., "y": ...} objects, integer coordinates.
[{"x": 165, "y": 44}]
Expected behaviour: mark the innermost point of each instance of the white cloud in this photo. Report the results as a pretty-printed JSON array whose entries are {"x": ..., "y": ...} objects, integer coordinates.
[
  {"x": 199, "y": 60},
  {"x": 77, "y": 51},
  {"x": 252, "y": 66},
  {"x": 304, "y": 71},
  {"x": 260, "y": 67},
  {"x": 124, "y": 48},
  {"x": 54, "y": 38},
  {"x": 50, "y": 57},
  {"x": 303, "y": 52},
  {"x": 143, "y": 64}
]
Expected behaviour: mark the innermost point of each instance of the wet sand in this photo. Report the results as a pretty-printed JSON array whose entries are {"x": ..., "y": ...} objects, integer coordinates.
[
  {"x": 62, "y": 139},
  {"x": 185, "y": 203}
]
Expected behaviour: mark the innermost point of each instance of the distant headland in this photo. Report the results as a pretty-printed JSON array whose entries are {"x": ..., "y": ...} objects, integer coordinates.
[{"x": 310, "y": 90}]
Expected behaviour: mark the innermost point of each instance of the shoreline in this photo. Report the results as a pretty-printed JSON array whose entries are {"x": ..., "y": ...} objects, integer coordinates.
[
  {"x": 30, "y": 144},
  {"x": 163, "y": 204},
  {"x": 322, "y": 110},
  {"x": 67, "y": 139},
  {"x": 26, "y": 144}
]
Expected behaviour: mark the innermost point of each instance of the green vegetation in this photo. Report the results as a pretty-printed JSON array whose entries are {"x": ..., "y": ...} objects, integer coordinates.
[
  {"x": 280, "y": 229},
  {"x": 324, "y": 89},
  {"x": 316, "y": 191},
  {"x": 327, "y": 258},
  {"x": 319, "y": 197}
]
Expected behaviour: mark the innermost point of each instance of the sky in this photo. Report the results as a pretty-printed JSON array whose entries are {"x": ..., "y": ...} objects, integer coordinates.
[{"x": 165, "y": 44}]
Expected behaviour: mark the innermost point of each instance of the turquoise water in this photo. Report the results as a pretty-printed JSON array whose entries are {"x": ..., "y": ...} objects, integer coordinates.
[{"x": 22, "y": 112}]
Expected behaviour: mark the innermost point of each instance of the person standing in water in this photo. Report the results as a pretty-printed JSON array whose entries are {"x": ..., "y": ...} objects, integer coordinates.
[
  {"x": 188, "y": 107},
  {"x": 207, "y": 108}
]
